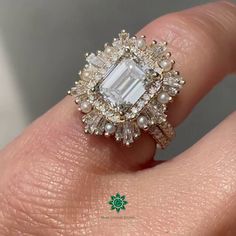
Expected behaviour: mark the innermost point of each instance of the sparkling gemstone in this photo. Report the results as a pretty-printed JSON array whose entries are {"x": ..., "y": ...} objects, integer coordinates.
[
  {"x": 95, "y": 60},
  {"x": 140, "y": 104},
  {"x": 134, "y": 110},
  {"x": 124, "y": 84},
  {"x": 159, "y": 49},
  {"x": 123, "y": 35}
]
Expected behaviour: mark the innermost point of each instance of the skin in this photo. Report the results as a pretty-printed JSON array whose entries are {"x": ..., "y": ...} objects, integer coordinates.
[{"x": 55, "y": 180}]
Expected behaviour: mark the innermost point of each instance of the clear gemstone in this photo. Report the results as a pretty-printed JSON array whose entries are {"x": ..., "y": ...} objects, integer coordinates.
[
  {"x": 136, "y": 131},
  {"x": 128, "y": 134},
  {"x": 123, "y": 35},
  {"x": 172, "y": 91},
  {"x": 146, "y": 97},
  {"x": 159, "y": 49},
  {"x": 124, "y": 84},
  {"x": 140, "y": 104},
  {"x": 152, "y": 90},
  {"x": 134, "y": 110},
  {"x": 173, "y": 82},
  {"x": 117, "y": 43},
  {"x": 95, "y": 60},
  {"x": 119, "y": 132}
]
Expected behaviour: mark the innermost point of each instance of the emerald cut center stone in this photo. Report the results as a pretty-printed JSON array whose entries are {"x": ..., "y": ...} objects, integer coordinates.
[{"x": 124, "y": 84}]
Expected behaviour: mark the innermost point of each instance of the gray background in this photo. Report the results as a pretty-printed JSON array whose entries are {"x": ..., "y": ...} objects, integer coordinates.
[{"x": 42, "y": 46}]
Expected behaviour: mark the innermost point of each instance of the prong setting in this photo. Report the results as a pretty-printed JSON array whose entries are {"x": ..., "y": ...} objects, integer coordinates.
[{"x": 125, "y": 88}]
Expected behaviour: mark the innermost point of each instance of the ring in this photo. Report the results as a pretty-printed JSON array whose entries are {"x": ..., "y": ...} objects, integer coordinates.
[{"x": 126, "y": 88}]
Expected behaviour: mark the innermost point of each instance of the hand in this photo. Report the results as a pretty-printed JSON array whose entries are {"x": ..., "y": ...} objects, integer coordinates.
[{"x": 55, "y": 180}]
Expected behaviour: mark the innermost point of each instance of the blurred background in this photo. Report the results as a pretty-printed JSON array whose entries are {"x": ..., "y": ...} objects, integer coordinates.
[{"x": 42, "y": 46}]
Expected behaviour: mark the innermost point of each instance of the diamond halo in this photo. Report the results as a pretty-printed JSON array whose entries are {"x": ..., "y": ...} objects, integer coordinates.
[{"x": 126, "y": 88}]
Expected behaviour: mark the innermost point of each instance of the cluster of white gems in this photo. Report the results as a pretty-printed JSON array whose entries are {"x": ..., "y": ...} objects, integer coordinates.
[{"x": 126, "y": 87}]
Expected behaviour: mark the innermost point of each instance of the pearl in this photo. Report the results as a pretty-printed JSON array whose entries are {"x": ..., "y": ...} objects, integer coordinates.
[
  {"x": 141, "y": 43},
  {"x": 158, "y": 146},
  {"x": 86, "y": 107},
  {"x": 163, "y": 97},
  {"x": 85, "y": 75},
  {"x": 110, "y": 128},
  {"x": 108, "y": 50},
  {"x": 142, "y": 122},
  {"x": 166, "y": 65}
]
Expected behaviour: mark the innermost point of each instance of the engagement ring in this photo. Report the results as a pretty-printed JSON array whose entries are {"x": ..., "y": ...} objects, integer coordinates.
[{"x": 126, "y": 88}]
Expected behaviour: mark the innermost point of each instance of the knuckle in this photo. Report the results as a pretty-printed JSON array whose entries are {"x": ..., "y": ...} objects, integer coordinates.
[
  {"x": 228, "y": 4},
  {"x": 202, "y": 28},
  {"x": 196, "y": 28}
]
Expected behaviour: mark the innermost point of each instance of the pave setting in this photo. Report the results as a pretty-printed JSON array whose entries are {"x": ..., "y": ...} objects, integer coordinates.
[{"x": 126, "y": 88}]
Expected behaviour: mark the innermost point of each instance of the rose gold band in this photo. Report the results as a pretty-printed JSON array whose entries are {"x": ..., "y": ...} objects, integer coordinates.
[{"x": 162, "y": 133}]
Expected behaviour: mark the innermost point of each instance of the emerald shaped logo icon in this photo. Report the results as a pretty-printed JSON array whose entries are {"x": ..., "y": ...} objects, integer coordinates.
[{"x": 118, "y": 202}]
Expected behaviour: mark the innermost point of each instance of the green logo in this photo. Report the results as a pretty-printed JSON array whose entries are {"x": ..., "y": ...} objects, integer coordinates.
[{"x": 118, "y": 202}]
